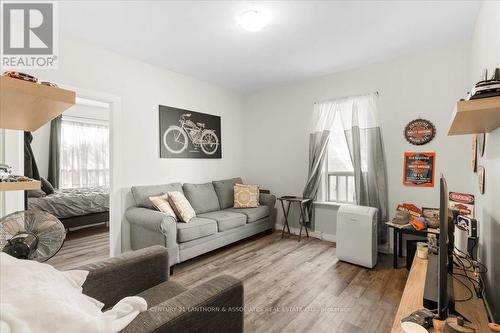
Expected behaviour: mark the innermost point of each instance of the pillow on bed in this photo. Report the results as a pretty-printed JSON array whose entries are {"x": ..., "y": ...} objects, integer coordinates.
[
  {"x": 161, "y": 203},
  {"x": 35, "y": 193},
  {"x": 47, "y": 186}
]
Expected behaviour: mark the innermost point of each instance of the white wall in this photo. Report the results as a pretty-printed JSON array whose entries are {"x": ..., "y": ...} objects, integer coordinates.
[
  {"x": 142, "y": 88},
  {"x": 486, "y": 54},
  {"x": 419, "y": 85},
  {"x": 12, "y": 154}
]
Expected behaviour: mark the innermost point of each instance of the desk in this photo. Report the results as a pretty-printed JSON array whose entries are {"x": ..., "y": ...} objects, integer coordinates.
[
  {"x": 413, "y": 294},
  {"x": 398, "y": 231},
  {"x": 302, "y": 219}
]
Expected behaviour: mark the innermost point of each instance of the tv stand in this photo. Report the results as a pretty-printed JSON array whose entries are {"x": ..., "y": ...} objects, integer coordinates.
[{"x": 413, "y": 295}]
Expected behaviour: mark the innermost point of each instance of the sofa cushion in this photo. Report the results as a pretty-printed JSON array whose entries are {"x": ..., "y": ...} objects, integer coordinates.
[
  {"x": 225, "y": 191},
  {"x": 161, "y": 292},
  {"x": 202, "y": 197},
  {"x": 142, "y": 193},
  {"x": 253, "y": 214},
  {"x": 196, "y": 228},
  {"x": 226, "y": 220}
]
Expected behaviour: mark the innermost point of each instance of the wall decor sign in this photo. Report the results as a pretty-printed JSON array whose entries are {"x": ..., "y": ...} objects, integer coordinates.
[
  {"x": 419, "y": 169},
  {"x": 419, "y": 132},
  {"x": 189, "y": 134},
  {"x": 474, "y": 153},
  {"x": 463, "y": 202},
  {"x": 480, "y": 174},
  {"x": 481, "y": 139}
]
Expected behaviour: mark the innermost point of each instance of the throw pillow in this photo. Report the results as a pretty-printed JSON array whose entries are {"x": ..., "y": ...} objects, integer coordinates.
[
  {"x": 181, "y": 206},
  {"x": 37, "y": 297},
  {"x": 161, "y": 203},
  {"x": 47, "y": 186},
  {"x": 246, "y": 196}
]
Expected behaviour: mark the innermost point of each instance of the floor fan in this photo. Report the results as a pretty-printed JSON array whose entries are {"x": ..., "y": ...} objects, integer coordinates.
[{"x": 31, "y": 234}]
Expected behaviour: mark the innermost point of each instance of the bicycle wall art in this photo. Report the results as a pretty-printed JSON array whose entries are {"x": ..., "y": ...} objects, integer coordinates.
[{"x": 189, "y": 134}]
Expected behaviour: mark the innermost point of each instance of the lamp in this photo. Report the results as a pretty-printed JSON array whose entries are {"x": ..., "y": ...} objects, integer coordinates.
[{"x": 253, "y": 20}]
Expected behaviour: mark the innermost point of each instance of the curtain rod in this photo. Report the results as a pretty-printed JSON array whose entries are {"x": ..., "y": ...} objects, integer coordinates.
[{"x": 346, "y": 97}]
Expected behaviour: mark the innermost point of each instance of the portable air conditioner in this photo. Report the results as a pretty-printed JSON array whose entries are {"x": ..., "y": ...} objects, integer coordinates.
[{"x": 357, "y": 235}]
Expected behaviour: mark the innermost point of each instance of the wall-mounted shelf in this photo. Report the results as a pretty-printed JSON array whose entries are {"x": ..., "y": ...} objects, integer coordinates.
[
  {"x": 475, "y": 116},
  {"x": 20, "y": 186},
  {"x": 27, "y": 106}
]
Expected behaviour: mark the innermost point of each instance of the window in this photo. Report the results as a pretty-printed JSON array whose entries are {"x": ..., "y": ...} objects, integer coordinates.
[
  {"x": 84, "y": 154},
  {"x": 340, "y": 170}
]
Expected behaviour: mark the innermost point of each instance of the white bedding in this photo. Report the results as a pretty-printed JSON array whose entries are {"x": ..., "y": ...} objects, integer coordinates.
[{"x": 37, "y": 298}]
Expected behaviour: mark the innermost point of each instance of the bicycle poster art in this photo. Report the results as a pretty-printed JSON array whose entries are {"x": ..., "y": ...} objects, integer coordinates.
[{"x": 189, "y": 134}]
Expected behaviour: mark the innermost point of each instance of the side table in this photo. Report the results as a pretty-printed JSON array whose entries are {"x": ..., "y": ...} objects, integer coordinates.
[{"x": 302, "y": 221}]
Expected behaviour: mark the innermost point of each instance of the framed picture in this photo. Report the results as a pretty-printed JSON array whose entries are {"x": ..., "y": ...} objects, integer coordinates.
[
  {"x": 189, "y": 134},
  {"x": 474, "y": 153},
  {"x": 418, "y": 169},
  {"x": 432, "y": 215}
]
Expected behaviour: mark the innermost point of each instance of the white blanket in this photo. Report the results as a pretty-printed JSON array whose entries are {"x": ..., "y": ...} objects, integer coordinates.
[{"x": 37, "y": 298}]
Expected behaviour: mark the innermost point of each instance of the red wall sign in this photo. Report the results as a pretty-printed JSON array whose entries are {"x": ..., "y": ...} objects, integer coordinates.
[{"x": 419, "y": 169}]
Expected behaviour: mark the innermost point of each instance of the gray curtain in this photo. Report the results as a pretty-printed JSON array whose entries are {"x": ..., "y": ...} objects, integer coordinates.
[
  {"x": 370, "y": 175},
  {"x": 54, "y": 152},
  {"x": 318, "y": 144}
]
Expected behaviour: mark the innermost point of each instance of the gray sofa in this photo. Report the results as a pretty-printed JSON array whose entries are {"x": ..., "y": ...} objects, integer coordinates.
[
  {"x": 216, "y": 223},
  {"x": 213, "y": 306}
]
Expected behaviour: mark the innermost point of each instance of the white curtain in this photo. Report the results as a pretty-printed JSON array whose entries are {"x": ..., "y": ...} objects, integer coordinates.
[
  {"x": 84, "y": 154},
  {"x": 364, "y": 141}
]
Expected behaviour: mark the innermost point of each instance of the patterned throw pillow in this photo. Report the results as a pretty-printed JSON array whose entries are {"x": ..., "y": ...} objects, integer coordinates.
[
  {"x": 161, "y": 203},
  {"x": 246, "y": 196},
  {"x": 181, "y": 206}
]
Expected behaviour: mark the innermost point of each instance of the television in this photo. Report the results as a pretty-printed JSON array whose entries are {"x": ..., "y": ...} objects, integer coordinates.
[
  {"x": 445, "y": 301},
  {"x": 438, "y": 291}
]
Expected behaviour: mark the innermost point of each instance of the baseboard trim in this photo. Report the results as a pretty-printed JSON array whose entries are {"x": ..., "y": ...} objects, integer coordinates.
[{"x": 312, "y": 233}]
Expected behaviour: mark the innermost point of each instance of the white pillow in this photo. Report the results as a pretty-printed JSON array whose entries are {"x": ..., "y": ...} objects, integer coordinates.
[
  {"x": 181, "y": 206},
  {"x": 36, "y": 297},
  {"x": 161, "y": 203}
]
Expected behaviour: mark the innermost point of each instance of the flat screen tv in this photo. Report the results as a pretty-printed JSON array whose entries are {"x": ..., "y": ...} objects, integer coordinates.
[{"x": 446, "y": 302}]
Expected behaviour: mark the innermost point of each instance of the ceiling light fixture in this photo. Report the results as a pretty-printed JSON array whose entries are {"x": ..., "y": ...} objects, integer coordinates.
[{"x": 253, "y": 20}]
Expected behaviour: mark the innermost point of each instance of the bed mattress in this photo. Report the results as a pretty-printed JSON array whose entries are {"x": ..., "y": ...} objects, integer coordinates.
[{"x": 73, "y": 202}]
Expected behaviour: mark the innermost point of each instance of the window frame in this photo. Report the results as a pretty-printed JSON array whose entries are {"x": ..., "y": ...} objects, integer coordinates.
[{"x": 338, "y": 175}]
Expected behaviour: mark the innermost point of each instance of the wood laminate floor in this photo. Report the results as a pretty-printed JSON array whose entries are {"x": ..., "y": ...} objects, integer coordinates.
[
  {"x": 81, "y": 247},
  {"x": 289, "y": 286}
]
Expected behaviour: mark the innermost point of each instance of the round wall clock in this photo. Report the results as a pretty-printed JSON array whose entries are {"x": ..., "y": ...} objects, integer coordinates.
[{"x": 419, "y": 132}]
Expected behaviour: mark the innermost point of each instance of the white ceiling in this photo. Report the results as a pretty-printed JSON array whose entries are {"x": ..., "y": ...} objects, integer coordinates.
[{"x": 304, "y": 39}]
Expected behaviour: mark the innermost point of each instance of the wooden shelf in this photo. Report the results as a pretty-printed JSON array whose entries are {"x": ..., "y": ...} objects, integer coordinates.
[
  {"x": 26, "y": 106},
  {"x": 20, "y": 186},
  {"x": 475, "y": 116}
]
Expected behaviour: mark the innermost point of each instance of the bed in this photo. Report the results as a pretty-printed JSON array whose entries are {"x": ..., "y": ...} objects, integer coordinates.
[{"x": 75, "y": 207}]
